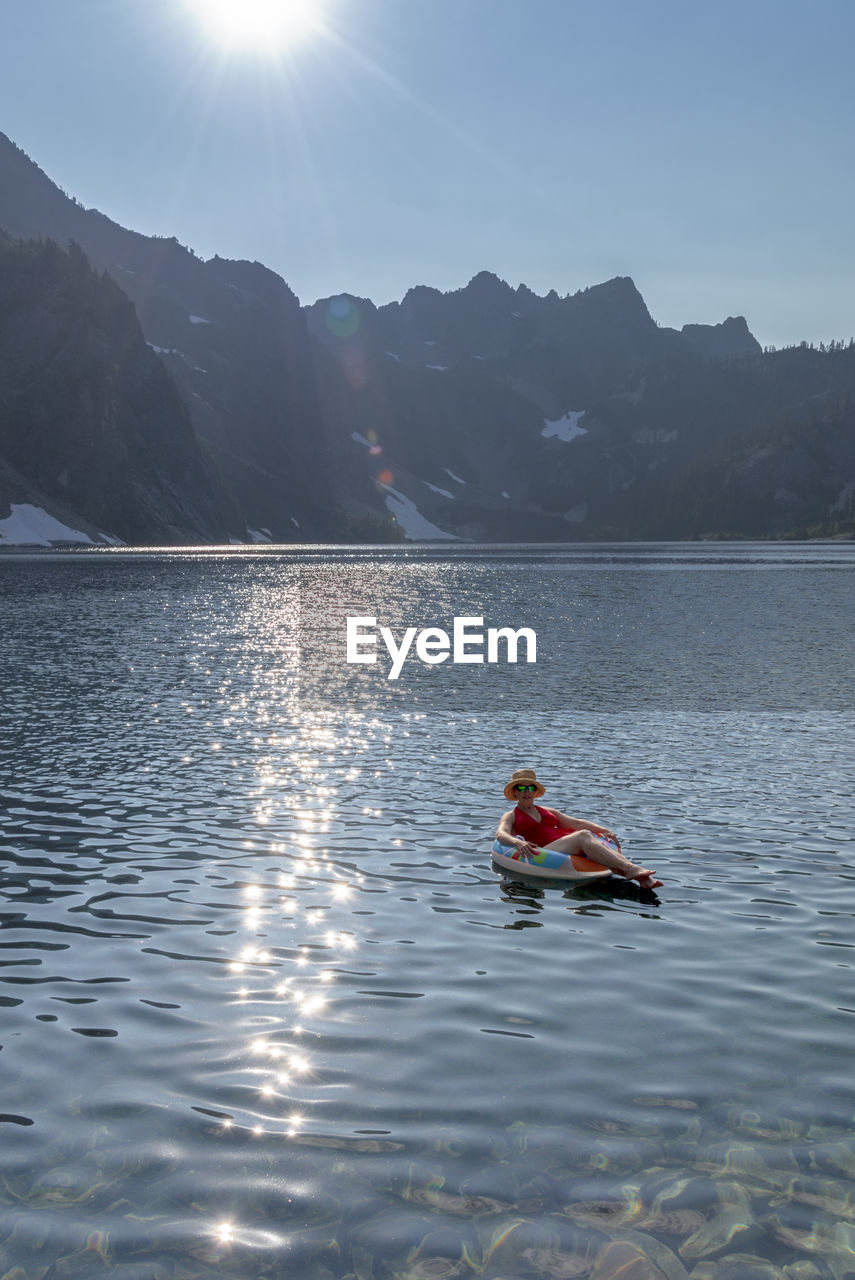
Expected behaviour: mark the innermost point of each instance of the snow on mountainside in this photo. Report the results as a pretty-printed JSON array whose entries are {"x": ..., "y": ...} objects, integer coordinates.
[
  {"x": 411, "y": 520},
  {"x": 29, "y": 526},
  {"x": 566, "y": 428}
]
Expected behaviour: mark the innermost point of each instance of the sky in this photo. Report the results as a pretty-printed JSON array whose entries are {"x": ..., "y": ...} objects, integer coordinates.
[{"x": 704, "y": 149}]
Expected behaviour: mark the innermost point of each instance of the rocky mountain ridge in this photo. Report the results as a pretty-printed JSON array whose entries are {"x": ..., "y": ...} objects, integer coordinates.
[
  {"x": 488, "y": 412},
  {"x": 90, "y": 422}
]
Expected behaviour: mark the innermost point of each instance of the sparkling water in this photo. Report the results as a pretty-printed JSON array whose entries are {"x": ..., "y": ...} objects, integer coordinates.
[{"x": 267, "y": 1008}]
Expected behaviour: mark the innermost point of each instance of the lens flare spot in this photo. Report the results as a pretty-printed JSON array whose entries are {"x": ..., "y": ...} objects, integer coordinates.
[
  {"x": 386, "y": 477},
  {"x": 342, "y": 318}
]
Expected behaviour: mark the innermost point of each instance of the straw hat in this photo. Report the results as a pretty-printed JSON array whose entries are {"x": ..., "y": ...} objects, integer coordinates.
[{"x": 524, "y": 776}]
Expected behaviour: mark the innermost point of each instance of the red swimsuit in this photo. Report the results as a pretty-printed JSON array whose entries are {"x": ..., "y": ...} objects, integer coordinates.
[{"x": 540, "y": 833}]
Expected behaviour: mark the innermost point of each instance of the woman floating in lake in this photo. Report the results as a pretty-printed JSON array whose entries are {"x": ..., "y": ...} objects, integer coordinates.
[{"x": 529, "y": 827}]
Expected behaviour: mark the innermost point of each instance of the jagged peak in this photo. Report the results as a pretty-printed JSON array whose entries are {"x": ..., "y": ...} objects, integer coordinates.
[
  {"x": 486, "y": 282},
  {"x": 732, "y": 322},
  {"x": 616, "y": 297},
  {"x": 338, "y": 300},
  {"x": 617, "y": 286},
  {"x": 731, "y": 337},
  {"x": 417, "y": 295},
  {"x": 250, "y": 276}
]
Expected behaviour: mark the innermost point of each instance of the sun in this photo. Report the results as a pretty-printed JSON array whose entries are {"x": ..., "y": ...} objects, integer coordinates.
[{"x": 260, "y": 26}]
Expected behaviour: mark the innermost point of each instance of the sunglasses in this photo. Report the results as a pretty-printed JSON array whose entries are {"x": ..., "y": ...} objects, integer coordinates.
[{"x": 524, "y": 788}]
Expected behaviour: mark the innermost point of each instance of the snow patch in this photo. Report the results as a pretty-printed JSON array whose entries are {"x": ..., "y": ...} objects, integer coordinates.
[
  {"x": 444, "y": 493},
  {"x": 453, "y": 476},
  {"x": 566, "y": 428},
  {"x": 260, "y": 535},
  {"x": 199, "y": 320},
  {"x": 428, "y": 343},
  {"x": 411, "y": 520},
  {"x": 392, "y": 356},
  {"x": 505, "y": 494},
  {"x": 173, "y": 351},
  {"x": 441, "y": 368},
  {"x": 30, "y": 526}
]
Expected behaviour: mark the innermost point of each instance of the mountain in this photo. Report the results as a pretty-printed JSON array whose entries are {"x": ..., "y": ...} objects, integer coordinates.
[
  {"x": 234, "y": 341},
  {"x": 501, "y": 414},
  {"x": 91, "y": 425},
  {"x": 488, "y": 412}
]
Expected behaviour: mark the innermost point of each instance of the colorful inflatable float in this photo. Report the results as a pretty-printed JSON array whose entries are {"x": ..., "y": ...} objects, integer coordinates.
[{"x": 549, "y": 863}]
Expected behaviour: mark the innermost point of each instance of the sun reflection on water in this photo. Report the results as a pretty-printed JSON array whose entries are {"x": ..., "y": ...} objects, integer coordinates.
[{"x": 301, "y": 971}]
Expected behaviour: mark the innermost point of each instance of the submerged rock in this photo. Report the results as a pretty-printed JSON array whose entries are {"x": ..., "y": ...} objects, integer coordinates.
[
  {"x": 829, "y": 1195},
  {"x": 770, "y": 1128},
  {"x": 400, "y": 1243},
  {"x": 657, "y": 1252},
  {"x": 745, "y": 1266},
  {"x": 715, "y": 1236},
  {"x": 435, "y": 1268},
  {"x": 553, "y": 1264},
  {"x": 754, "y": 1168},
  {"x": 619, "y": 1258},
  {"x": 828, "y": 1241},
  {"x": 672, "y": 1222},
  {"x": 833, "y": 1157},
  {"x": 445, "y": 1202},
  {"x": 549, "y": 1247},
  {"x": 803, "y": 1269},
  {"x": 605, "y": 1214}
]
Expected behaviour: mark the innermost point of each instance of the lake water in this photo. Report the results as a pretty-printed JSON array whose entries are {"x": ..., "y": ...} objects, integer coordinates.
[{"x": 267, "y": 1008}]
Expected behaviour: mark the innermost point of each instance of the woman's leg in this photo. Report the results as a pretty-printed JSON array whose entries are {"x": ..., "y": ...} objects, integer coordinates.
[{"x": 586, "y": 843}]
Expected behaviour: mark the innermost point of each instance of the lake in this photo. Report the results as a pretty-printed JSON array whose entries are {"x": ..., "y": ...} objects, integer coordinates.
[{"x": 268, "y": 1009}]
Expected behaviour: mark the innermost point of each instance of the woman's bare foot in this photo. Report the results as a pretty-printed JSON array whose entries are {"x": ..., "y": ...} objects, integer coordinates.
[{"x": 646, "y": 878}]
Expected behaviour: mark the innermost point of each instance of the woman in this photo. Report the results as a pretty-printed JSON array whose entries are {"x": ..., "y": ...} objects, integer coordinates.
[{"x": 529, "y": 828}]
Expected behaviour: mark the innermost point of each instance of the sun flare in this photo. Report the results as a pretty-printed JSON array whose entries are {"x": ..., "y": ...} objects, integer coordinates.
[{"x": 261, "y": 26}]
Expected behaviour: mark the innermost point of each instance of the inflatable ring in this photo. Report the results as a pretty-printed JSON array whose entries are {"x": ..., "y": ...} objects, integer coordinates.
[{"x": 549, "y": 864}]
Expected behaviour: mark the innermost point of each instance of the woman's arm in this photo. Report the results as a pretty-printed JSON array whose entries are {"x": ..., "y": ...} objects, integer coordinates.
[{"x": 505, "y": 833}]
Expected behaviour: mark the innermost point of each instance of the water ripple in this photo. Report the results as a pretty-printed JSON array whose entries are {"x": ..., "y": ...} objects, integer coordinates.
[{"x": 265, "y": 1001}]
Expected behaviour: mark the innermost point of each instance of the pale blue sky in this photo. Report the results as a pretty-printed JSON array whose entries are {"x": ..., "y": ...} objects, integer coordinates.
[{"x": 705, "y": 149}]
